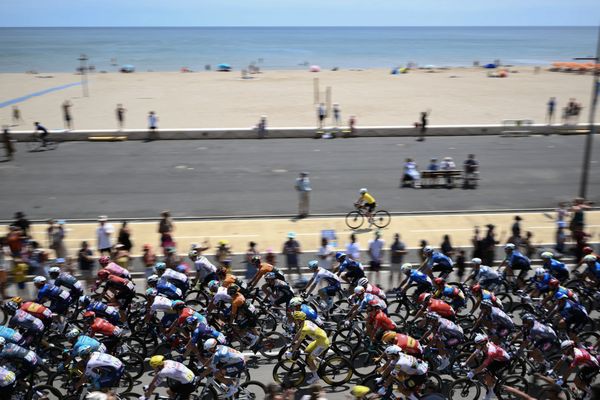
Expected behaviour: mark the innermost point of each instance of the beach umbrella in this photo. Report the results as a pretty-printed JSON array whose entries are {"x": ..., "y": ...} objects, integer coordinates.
[
  {"x": 315, "y": 68},
  {"x": 224, "y": 67},
  {"x": 127, "y": 68}
]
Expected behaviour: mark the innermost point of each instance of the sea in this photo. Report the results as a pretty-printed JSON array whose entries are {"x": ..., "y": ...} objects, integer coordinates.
[{"x": 169, "y": 49}]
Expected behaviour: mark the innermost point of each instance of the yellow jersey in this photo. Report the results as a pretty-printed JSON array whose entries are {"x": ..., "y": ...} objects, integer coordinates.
[
  {"x": 367, "y": 198},
  {"x": 309, "y": 328}
]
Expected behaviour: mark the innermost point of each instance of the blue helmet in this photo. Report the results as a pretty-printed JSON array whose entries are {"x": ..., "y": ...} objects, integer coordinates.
[
  {"x": 160, "y": 266},
  {"x": 192, "y": 320},
  {"x": 339, "y": 256}
]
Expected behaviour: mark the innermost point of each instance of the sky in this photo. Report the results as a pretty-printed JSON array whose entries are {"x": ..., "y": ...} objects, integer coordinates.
[{"x": 298, "y": 12}]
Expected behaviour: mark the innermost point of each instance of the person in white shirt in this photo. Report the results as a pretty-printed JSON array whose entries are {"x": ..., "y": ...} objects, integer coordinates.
[
  {"x": 446, "y": 165},
  {"x": 326, "y": 253},
  {"x": 376, "y": 255},
  {"x": 103, "y": 235},
  {"x": 352, "y": 248}
]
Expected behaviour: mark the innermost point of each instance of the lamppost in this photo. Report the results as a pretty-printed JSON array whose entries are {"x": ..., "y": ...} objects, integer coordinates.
[
  {"x": 587, "y": 155},
  {"x": 83, "y": 69}
]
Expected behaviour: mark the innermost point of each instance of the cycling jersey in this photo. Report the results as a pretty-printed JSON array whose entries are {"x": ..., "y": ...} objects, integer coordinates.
[
  {"x": 26, "y": 321},
  {"x": 558, "y": 269},
  {"x": 516, "y": 260},
  {"x": 281, "y": 288},
  {"x": 449, "y": 330},
  {"x": 185, "y": 313},
  {"x": 204, "y": 267},
  {"x": 263, "y": 269},
  {"x": 177, "y": 278},
  {"x": 13, "y": 352},
  {"x": 85, "y": 342},
  {"x": 408, "y": 344},
  {"x": 367, "y": 198},
  {"x": 376, "y": 291},
  {"x": 310, "y": 329},
  {"x": 327, "y": 276},
  {"x": 541, "y": 284},
  {"x": 169, "y": 290},
  {"x": 7, "y": 377},
  {"x": 441, "y": 307},
  {"x": 37, "y": 310},
  {"x": 540, "y": 332},
  {"x": 105, "y": 328},
  {"x": 353, "y": 267},
  {"x": 120, "y": 284},
  {"x": 499, "y": 317},
  {"x": 229, "y": 280},
  {"x": 486, "y": 273},
  {"x": 380, "y": 321},
  {"x": 450, "y": 292},
  {"x": 574, "y": 310},
  {"x": 238, "y": 302},
  {"x": 362, "y": 305},
  {"x": 487, "y": 295},
  {"x": 204, "y": 330},
  {"x": 419, "y": 278},
  {"x": 583, "y": 358},
  {"x": 115, "y": 269},
  {"x": 439, "y": 259},
  {"x": 162, "y": 304},
  {"x": 594, "y": 270},
  {"x": 221, "y": 296},
  {"x": 104, "y": 370},
  {"x": 560, "y": 291},
  {"x": 70, "y": 282},
  {"x": 410, "y": 365},
  {"x": 59, "y": 298},
  {"x": 10, "y": 335},
  {"x": 493, "y": 353},
  {"x": 103, "y": 310},
  {"x": 225, "y": 356},
  {"x": 176, "y": 371},
  {"x": 311, "y": 314}
]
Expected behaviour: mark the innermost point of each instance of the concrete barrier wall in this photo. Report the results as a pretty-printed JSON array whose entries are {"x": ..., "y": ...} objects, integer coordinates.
[{"x": 304, "y": 132}]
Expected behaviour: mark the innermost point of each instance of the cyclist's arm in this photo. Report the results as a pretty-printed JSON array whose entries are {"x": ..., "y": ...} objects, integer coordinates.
[
  {"x": 311, "y": 284},
  {"x": 297, "y": 341},
  {"x": 151, "y": 387}
]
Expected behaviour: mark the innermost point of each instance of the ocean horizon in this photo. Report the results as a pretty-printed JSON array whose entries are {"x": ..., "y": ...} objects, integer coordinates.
[{"x": 56, "y": 49}]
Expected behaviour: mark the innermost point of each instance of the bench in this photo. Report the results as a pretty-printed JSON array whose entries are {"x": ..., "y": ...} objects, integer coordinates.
[
  {"x": 439, "y": 178},
  {"x": 516, "y": 127}
]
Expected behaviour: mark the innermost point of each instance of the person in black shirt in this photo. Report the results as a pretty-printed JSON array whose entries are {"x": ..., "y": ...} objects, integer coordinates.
[
  {"x": 22, "y": 222},
  {"x": 43, "y": 135}
]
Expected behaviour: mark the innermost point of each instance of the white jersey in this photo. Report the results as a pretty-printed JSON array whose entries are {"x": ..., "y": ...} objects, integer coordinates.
[
  {"x": 410, "y": 365},
  {"x": 204, "y": 267},
  {"x": 101, "y": 360},
  {"x": 328, "y": 276},
  {"x": 171, "y": 274},
  {"x": 221, "y": 296},
  {"x": 176, "y": 371},
  {"x": 486, "y": 273},
  {"x": 161, "y": 303}
]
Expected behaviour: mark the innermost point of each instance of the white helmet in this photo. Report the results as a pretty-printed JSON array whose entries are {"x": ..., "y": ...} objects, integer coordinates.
[
  {"x": 540, "y": 271},
  {"x": 428, "y": 250},
  {"x": 590, "y": 258},
  {"x": 39, "y": 279},
  {"x": 359, "y": 290},
  {"x": 209, "y": 344},
  {"x": 393, "y": 350},
  {"x": 509, "y": 246},
  {"x": 363, "y": 282},
  {"x": 566, "y": 343},
  {"x": 152, "y": 278},
  {"x": 476, "y": 261},
  {"x": 73, "y": 333},
  {"x": 54, "y": 270},
  {"x": 313, "y": 264},
  {"x": 547, "y": 255},
  {"x": 296, "y": 301},
  {"x": 406, "y": 268},
  {"x": 480, "y": 338},
  {"x": 363, "y": 190}
]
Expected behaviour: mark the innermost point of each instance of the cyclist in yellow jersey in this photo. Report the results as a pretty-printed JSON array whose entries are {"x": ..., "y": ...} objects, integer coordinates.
[
  {"x": 319, "y": 344},
  {"x": 366, "y": 201}
]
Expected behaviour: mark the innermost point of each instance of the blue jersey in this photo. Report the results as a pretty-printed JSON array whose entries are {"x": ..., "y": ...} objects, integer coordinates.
[
  {"x": 69, "y": 281},
  {"x": 368, "y": 297},
  {"x": 204, "y": 330},
  {"x": 168, "y": 289},
  {"x": 10, "y": 335},
  {"x": 440, "y": 259},
  {"x": 53, "y": 293},
  {"x": 419, "y": 278},
  {"x": 594, "y": 270},
  {"x": 556, "y": 266},
  {"x": 85, "y": 342},
  {"x": 542, "y": 285},
  {"x": 311, "y": 314},
  {"x": 105, "y": 311},
  {"x": 350, "y": 265},
  {"x": 572, "y": 309},
  {"x": 516, "y": 259}
]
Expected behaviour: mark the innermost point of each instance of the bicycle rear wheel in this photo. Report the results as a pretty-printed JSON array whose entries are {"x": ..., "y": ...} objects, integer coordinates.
[
  {"x": 289, "y": 372},
  {"x": 354, "y": 219},
  {"x": 464, "y": 389},
  {"x": 251, "y": 390},
  {"x": 33, "y": 143},
  {"x": 382, "y": 218}
]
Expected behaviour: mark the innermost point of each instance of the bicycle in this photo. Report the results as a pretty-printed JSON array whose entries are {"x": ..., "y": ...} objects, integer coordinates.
[
  {"x": 355, "y": 218},
  {"x": 334, "y": 369},
  {"x": 35, "y": 143}
]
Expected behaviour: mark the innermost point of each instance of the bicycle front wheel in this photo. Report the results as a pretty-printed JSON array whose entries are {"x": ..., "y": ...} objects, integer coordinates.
[
  {"x": 464, "y": 389},
  {"x": 382, "y": 218},
  {"x": 289, "y": 372},
  {"x": 335, "y": 370},
  {"x": 354, "y": 219},
  {"x": 251, "y": 390}
]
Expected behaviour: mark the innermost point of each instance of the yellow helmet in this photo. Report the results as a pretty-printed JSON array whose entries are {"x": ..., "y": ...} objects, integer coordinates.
[
  {"x": 359, "y": 391},
  {"x": 17, "y": 300},
  {"x": 157, "y": 361},
  {"x": 389, "y": 337},
  {"x": 299, "y": 315}
]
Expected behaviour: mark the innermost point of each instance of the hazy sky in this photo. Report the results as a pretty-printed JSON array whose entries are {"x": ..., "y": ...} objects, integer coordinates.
[{"x": 297, "y": 12}]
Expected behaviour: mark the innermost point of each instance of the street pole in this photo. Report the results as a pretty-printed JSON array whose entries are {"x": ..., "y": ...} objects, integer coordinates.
[
  {"x": 83, "y": 69},
  {"x": 587, "y": 155}
]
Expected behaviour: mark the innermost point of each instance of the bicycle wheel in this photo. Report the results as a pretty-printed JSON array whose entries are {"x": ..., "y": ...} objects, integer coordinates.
[
  {"x": 289, "y": 372},
  {"x": 363, "y": 362},
  {"x": 335, "y": 370},
  {"x": 354, "y": 219},
  {"x": 271, "y": 343},
  {"x": 206, "y": 392},
  {"x": 382, "y": 218},
  {"x": 251, "y": 390},
  {"x": 134, "y": 364},
  {"x": 33, "y": 143},
  {"x": 45, "y": 392},
  {"x": 464, "y": 389},
  {"x": 514, "y": 381}
]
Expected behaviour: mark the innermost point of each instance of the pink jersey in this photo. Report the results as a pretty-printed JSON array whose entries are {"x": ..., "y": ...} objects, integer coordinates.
[
  {"x": 117, "y": 270},
  {"x": 494, "y": 353},
  {"x": 375, "y": 290},
  {"x": 583, "y": 358}
]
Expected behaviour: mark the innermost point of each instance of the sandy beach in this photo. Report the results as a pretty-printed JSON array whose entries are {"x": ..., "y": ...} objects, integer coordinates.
[{"x": 213, "y": 99}]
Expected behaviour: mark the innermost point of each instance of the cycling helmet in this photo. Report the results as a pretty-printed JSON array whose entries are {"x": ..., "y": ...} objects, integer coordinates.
[
  {"x": 103, "y": 274},
  {"x": 73, "y": 333},
  {"x": 587, "y": 250},
  {"x": 565, "y": 344},
  {"x": 553, "y": 283},
  {"x": 296, "y": 301},
  {"x": 255, "y": 259},
  {"x": 406, "y": 268},
  {"x": 527, "y": 318},
  {"x": 363, "y": 190},
  {"x": 439, "y": 281},
  {"x": 476, "y": 261},
  {"x": 546, "y": 255},
  {"x": 192, "y": 254},
  {"x": 233, "y": 289},
  {"x": 210, "y": 344},
  {"x": 388, "y": 337},
  {"x": 393, "y": 350},
  {"x": 590, "y": 258},
  {"x": 157, "y": 361},
  {"x": 476, "y": 288},
  {"x": 424, "y": 298},
  {"x": 363, "y": 282},
  {"x": 11, "y": 306},
  {"x": 359, "y": 391},
  {"x": 192, "y": 320},
  {"x": 299, "y": 315},
  {"x": 428, "y": 250},
  {"x": 432, "y": 316},
  {"x": 85, "y": 301},
  {"x": 374, "y": 303},
  {"x": 486, "y": 303},
  {"x": 153, "y": 278},
  {"x": 313, "y": 264},
  {"x": 160, "y": 266},
  {"x": 104, "y": 260},
  {"x": 339, "y": 256},
  {"x": 54, "y": 271},
  {"x": 39, "y": 279},
  {"x": 271, "y": 275},
  {"x": 509, "y": 246},
  {"x": 480, "y": 338},
  {"x": 89, "y": 314},
  {"x": 359, "y": 290},
  {"x": 2, "y": 341},
  {"x": 213, "y": 285},
  {"x": 540, "y": 271},
  {"x": 177, "y": 304}
]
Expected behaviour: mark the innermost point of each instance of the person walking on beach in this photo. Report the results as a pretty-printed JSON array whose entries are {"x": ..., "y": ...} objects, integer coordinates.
[
  {"x": 304, "y": 189},
  {"x": 152, "y": 124},
  {"x": 423, "y": 125},
  {"x": 120, "y": 112},
  {"x": 66, "y": 107},
  {"x": 321, "y": 114},
  {"x": 16, "y": 116},
  {"x": 337, "y": 115},
  {"x": 9, "y": 148},
  {"x": 551, "y": 108}
]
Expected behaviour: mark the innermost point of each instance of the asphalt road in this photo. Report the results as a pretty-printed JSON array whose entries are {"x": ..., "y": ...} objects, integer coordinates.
[{"x": 252, "y": 177}]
